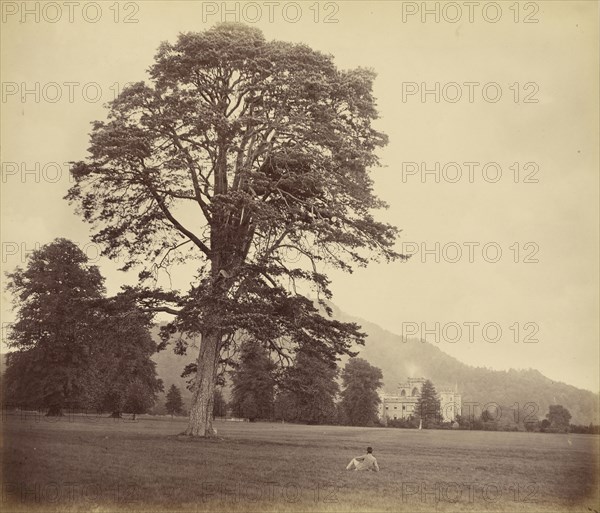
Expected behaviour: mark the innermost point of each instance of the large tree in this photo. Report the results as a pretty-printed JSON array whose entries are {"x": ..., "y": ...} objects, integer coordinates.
[
  {"x": 360, "y": 383},
  {"x": 253, "y": 380},
  {"x": 56, "y": 300},
  {"x": 252, "y": 157}
]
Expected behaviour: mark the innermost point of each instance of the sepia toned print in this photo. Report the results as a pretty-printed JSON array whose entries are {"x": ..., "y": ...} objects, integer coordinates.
[{"x": 246, "y": 243}]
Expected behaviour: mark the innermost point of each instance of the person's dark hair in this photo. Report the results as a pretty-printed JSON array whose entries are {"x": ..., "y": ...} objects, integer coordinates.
[{"x": 369, "y": 450}]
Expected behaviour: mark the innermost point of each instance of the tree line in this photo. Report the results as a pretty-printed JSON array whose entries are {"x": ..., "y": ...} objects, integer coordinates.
[
  {"x": 428, "y": 415},
  {"x": 73, "y": 347},
  {"x": 556, "y": 420},
  {"x": 306, "y": 391}
]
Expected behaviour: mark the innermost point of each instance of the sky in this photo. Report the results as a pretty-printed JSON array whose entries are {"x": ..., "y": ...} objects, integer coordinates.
[{"x": 491, "y": 171}]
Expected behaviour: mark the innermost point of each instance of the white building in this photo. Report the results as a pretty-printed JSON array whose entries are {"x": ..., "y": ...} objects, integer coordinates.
[{"x": 402, "y": 404}]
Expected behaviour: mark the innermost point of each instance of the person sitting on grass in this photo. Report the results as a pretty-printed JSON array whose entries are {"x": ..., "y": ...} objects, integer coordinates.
[{"x": 366, "y": 462}]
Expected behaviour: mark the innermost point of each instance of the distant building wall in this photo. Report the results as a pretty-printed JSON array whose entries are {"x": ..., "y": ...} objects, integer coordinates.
[{"x": 402, "y": 404}]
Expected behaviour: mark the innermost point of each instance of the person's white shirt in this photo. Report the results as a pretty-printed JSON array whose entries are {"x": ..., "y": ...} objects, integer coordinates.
[{"x": 365, "y": 462}]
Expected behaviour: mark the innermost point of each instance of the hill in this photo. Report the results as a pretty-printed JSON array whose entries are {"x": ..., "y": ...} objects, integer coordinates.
[{"x": 399, "y": 359}]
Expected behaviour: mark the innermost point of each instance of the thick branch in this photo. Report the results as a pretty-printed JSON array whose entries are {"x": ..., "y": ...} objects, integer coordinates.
[{"x": 161, "y": 203}]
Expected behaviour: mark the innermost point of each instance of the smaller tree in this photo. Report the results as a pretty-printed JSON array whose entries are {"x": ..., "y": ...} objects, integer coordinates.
[
  {"x": 360, "y": 381},
  {"x": 428, "y": 407},
  {"x": 559, "y": 418},
  {"x": 174, "y": 403}
]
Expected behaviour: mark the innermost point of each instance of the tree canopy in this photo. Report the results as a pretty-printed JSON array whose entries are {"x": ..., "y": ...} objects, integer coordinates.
[
  {"x": 74, "y": 347},
  {"x": 251, "y": 157},
  {"x": 56, "y": 298},
  {"x": 559, "y": 417},
  {"x": 122, "y": 357},
  {"x": 174, "y": 402},
  {"x": 309, "y": 389}
]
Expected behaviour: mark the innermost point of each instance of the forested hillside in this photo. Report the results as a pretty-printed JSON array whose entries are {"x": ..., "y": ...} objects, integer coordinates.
[{"x": 400, "y": 359}]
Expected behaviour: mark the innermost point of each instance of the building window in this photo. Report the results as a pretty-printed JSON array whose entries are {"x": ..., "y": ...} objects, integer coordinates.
[
  {"x": 415, "y": 392},
  {"x": 403, "y": 393},
  {"x": 404, "y": 407}
]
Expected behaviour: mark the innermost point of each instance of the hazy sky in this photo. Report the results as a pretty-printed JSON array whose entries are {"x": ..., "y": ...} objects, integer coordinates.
[{"x": 509, "y": 116}]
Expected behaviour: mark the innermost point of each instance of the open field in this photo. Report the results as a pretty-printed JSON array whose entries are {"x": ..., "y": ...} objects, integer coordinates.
[{"x": 91, "y": 464}]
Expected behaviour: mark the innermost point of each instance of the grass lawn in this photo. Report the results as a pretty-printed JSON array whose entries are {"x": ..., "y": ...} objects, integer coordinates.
[{"x": 79, "y": 464}]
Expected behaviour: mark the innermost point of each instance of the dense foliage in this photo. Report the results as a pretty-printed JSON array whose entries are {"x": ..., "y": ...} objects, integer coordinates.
[
  {"x": 55, "y": 298},
  {"x": 559, "y": 417},
  {"x": 72, "y": 346},
  {"x": 253, "y": 383},
  {"x": 174, "y": 402},
  {"x": 125, "y": 373},
  {"x": 308, "y": 391},
  {"x": 360, "y": 383},
  {"x": 251, "y": 158}
]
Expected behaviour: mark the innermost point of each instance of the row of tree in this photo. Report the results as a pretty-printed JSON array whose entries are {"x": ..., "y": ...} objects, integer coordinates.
[
  {"x": 305, "y": 391},
  {"x": 72, "y": 346},
  {"x": 557, "y": 420},
  {"x": 494, "y": 418},
  {"x": 313, "y": 402}
]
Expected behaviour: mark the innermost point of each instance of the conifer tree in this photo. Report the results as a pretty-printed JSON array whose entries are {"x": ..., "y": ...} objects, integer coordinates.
[{"x": 428, "y": 406}]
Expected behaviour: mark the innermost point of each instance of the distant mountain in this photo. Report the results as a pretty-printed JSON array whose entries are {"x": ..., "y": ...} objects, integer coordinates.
[{"x": 399, "y": 359}]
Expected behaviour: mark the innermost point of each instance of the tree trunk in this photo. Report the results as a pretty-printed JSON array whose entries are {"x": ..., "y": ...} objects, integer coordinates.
[{"x": 201, "y": 414}]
